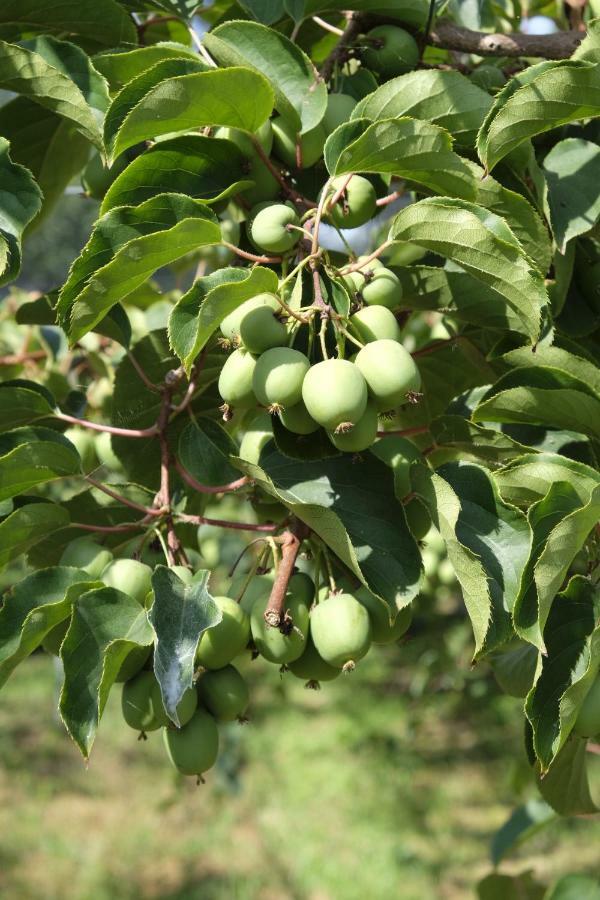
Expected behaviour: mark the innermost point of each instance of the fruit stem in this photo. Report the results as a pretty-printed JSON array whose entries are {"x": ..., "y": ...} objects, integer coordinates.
[
  {"x": 222, "y": 523},
  {"x": 384, "y": 201},
  {"x": 209, "y": 489},
  {"x": 355, "y": 267},
  {"x": 275, "y": 172},
  {"x": 290, "y": 542},
  {"x": 253, "y": 257},
  {"x": 323, "y": 24},
  {"x": 112, "y": 429},
  {"x": 106, "y": 490},
  {"x": 322, "y": 333}
]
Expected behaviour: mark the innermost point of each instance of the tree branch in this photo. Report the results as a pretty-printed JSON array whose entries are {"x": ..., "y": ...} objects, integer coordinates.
[
  {"x": 274, "y": 614},
  {"x": 561, "y": 45}
]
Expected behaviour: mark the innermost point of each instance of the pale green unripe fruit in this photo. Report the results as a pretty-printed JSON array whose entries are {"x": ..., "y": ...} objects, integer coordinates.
[
  {"x": 489, "y": 78},
  {"x": 382, "y": 631},
  {"x": 375, "y": 323},
  {"x": 185, "y": 708},
  {"x": 284, "y": 143},
  {"x": 84, "y": 442},
  {"x": 241, "y": 139},
  {"x": 301, "y": 587},
  {"x": 398, "y": 453},
  {"x": 339, "y": 109},
  {"x": 357, "y": 204},
  {"x": 587, "y": 723},
  {"x": 298, "y": 420},
  {"x": 85, "y": 553},
  {"x": 268, "y": 228},
  {"x": 341, "y": 630},
  {"x": 382, "y": 289},
  {"x": 260, "y": 329},
  {"x": 278, "y": 377},
  {"x": 230, "y": 326},
  {"x": 133, "y": 663},
  {"x": 334, "y": 392},
  {"x": 235, "y": 379},
  {"x": 355, "y": 280},
  {"x": 390, "y": 51},
  {"x": 418, "y": 518},
  {"x": 361, "y": 435},
  {"x": 270, "y": 642},
  {"x": 130, "y": 576},
  {"x": 193, "y": 749},
  {"x": 183, "y": 573},
  {"x": 257, "y": 436},
  {"x": 224, "y": 693},
  {"x": 259, "y": 587},
  {"x": 137, "y": 703},
  {"x": 221, "y": 643},
  {"x": 311, "y": 667},
  {"x": 105, "y": 453},
  {"x": 389, "y": 371}
]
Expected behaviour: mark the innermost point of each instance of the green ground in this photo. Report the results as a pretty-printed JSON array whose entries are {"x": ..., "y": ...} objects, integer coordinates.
[{"x": 359, "y": 791}]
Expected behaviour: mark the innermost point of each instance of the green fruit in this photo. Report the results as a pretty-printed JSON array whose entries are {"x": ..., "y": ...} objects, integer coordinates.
[
  {"x": 418, "y": 518},
  {"x": 221, "y": 643},
  {"x": 270, "y": 642},
  {"x": 242, "y": 139},
  {"x": 278, "y": 377},
  {"x": 390, "y": 51},
  {"x": 355, "y": 280},
  {"x": 193, "y": 749},
  {"x": 298, "y": 420},
  {"x": 389, "y": 371},
  {"x": 257, "y": 436},
  {"x": 339, "y": 109},
  {"x": 130, "y": 576},
  {"x": 261, "y": 329},
  {"x": 85, "y": 553},
  {"x": 84, "y": 442},
  {"x": 311, "y": 144},
  {"x": 311, "y": 667},
  {"x": 268, "y": 228},
  {"x": 105, "y": 453},
  {"x": 259, "y": 587},
  {"x": 360, "y": 436},
  {"x": 235, "y": 380},
  {"x": 53, "y": 640},
  {"x": 489, "y": 78},
  {"x": 587, "y": 723},
  {"x": 137, "y": 703},
  {"x": 269, "y": 510},
  {"x": 398, "y": 453},
  {"x": 301, "y": 587},
  {"x": 210, "y": 550},
  {"x": 382, "y": 289},
  {"x": 266, "y": 187},
  {"x": 335, "y": 393},
  {"x": 183, "y": 573},
  {"x": 375, "y": 323},
  {"x": 382, "y": 631},
  {"x": 185, "y": 708},
  {"x": 341, "y": 630},
  {"x": 224, "y": 693},
  {"x": 357, "y": 204},
  {"x": 133, "y": 663},
  {"x": 96, "y": 178},
  {"x": 230, "y": 326}
]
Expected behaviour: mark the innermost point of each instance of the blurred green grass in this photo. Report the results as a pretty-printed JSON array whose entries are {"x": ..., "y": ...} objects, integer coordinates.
[{"x": 357, "y": 791}]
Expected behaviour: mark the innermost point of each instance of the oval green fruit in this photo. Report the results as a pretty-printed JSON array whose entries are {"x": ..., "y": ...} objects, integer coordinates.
[
  {"x": 334, "y": 393},
  {"x": 183, "y": 573},
  {"x": 339, "y": 109},
  {"x": 259, "y": 587},
  {"x": 261, "y": 329},
  {"x": 133, "y": 663},
  {"x": 221, "y": 643},
  {"x": 278, "y": 377},
  {"x": 383, "y": 288},
  {"x": 224, "y": 693},
  {"x": 311, "y": 667},
  {"x": 230, "y": 325},
  {"x": 382, "y": 630},
  {"x": 235, "y": 380},
  {"x": 341, "y": 630},
  {"x": 390, "y": 51},
  {"x": 270, "y": 642},
  {"x": 130, "y": 576},
  {"x": 193, "y": 749},
  {"x": 361, "y": 435},
  {"x": 298, "y": 420},
  {"x": 375, "y": 323},
  {"x": 587, "y": 723},
  {"x": 489, "y": 78},
  {"x": 85, "y": 553},
  {"x": 389, "y": 371},
  {"x": 284, "y": 144},
  {"x": 137, "y": 702},
  {"x": 398, "y": 453},
  {"x": 268, "y": 228},
  {"x": 185, "y": 708},
  {"x": 257, "y": 435},
  {"x": 357, "y": 203}
]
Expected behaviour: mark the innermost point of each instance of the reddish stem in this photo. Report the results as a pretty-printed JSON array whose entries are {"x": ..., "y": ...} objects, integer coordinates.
[
  {"x": 355, "y": 267},
  {"x": 112, "y": 429},
  {"x": 437, "y": 345},
  {"x": 384, "y": 201},
  {"x": 222, "y": 523},
  {"x": 292, "y": 194},
  {"x": 15, "y": 359},
  {"x": 109, "y": 529},
  {"x": 149, "y": 384},
  {"x": 290, "y": 546},
  {"x": 119, "y": 497},
  {"x": 404, "y": 432},
  {"x": 206, "y": 489},
  {"x": 251, "y": 256}
]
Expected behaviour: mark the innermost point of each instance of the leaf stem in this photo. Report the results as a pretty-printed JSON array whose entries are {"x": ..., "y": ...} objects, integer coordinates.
[{"x": 208, "y": 489}]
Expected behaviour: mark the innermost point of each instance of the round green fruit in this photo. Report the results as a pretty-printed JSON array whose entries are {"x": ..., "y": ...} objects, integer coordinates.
[
  {"x": 341, "y": 630},
  {"x": 360, "y": 436},
  {"x": 389, "y": 371},
  {"x": 193, "y": 749},
  {"x": 53, "y": 640},
  {"x": 230, "y": 326},
  {"x": 311, "y": 667},
  {"x": 489, "y": 78},
  {"x": 137, "y": 703},
  {"x": 382, "y": 289},
  {"x": 302, "y": 588},
  {"x": 339, "y": 109},
  {"x": 587, "y": 723},
  {"x": 258, "y": 588},
  {"x": 105, "y": 453},
  {"x": 235, "y": 380},
  {"x": 418, "y": 518},
  {"x": 390, "y": 51},
  {"x": 261, "y": 329},
  {"x": 185, "y": 708},
  {"x": 96, "y": 178},
  {"x": 257, "y": 435},
  {"x": 278, "y": 377},
  {"x": 130, "y": 576},
  {"x": 268, "y": 228},
  {"x": 133, "y": 663},
  {"x": 356, "y": 205},
  {"x": 335, "y": 393},
  {"x": 85, "y": 553},
  {"x": 224, "y": 693},
  {"x": 221, "y": 643},
  {"x": 270, "y": 642},
  {"x": 375, "y": 323},
  {"x": 310, "y": 144},
  {"x": 382, "y": 630},
  {"x": 243, "y": 141},
  {"x": 183, "y": 573},
  {"x": 399, "y": 454},
  {"x": 298, "y": 420}
]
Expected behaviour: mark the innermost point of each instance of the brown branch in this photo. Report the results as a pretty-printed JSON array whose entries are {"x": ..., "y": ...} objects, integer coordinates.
[
  {"x": 208, "y": 489},
  {"x": 274, "y": 614},
  {"x": 223, "y": 523},
  {"x": 356, "y": 24},
  {"x": 111, "y": 429},
  {"x": 253, "y": 257},
  {"x": 275, "y": 172},
  {"x": 15, "y": 359},
  {"x": 119, "y": 497},
  {"x": 561, "y": 45}
]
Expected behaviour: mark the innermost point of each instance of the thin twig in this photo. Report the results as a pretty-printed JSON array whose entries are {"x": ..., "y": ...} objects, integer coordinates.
[
  {"x": 208, "y": 489},
  {"x": 149, "y": 384},
  {"x": 357, "y": 266},
  {"x": 251, "y": 256},
  {"x": 290, "y": 543},
  {"x": 111, "y": 429},
  {"x": 277, "y": 174},
  {"x": 223, "y": 523},
  {"x": 323, "y": 24},
  {"x": 119, "y": 497}
]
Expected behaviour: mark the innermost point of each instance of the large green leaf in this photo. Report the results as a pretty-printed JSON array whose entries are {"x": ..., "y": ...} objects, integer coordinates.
[
  {"x": 530, "y": 477},
  {"x": 127, "y": 245},
  {"x": 105, "y": 626},
  {"x": 201, "y": 167},
  {"x": 444, "y": 98},
  {"x": 471, "y": 442},
  {"x": 300, "y": 96},
  {"x": 27, "y": 525},
  {"x": 483, "y": 245},
  {"x": 119, "y": 67},
  {"x": 20, "y": 201},
  {"x": 23, "y": 402},
  {"x": 204, "y": 450},
  {"x": 102, "y": 22},
  {"x": 180, "y": 614},
  {"x": 524, "y": 822},
  {"x": 565, "y": 785},
  {"x": 350, "y": 506},
  {"x": 575, "y": 887},
  {"x": 32, "y": 456},
  {"x": 200, "y": 311},
  {"x": 557, "y": 358},
  {"x": 413, "y": 150},
  {"x": 571, "y": 172}
]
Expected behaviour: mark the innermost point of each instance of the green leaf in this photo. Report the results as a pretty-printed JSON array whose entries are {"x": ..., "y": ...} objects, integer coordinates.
[
  {"x": 571, "y": 170},
  {"x": 200, "y": 311},
  {"x": 502, "y": 887},
  {"x": 204, "y": 451},
  {"x": 204, "y": 168},
  {"x": 413, "y": 150},
  {"x": 265, "y": 11},
  {"x": 127, "y": 245},
  {"x": 444, "y": 98},
  {"x": 155, "y": 103},
  {"x": 105, "y": 626},
  {"x": 589, "y": 49},
  {"x": 563, "y": 92},
  {"x": 349, "y": 506},
  {"x": 565, "y": 785},
  {"x": 23, "y": 402},
  {"x": 529, "y": 478},
  {"x": 20, "y": 201},
  {"x": 104, "y": 22},
  {"x": 514, "y": 668},
  {"x": 523, "y": 823},
  {"x": 557, "y": 358},
  {"x": 31, "y": 456},
  {"x": 26, "y": 526},
  {"x": 488, "y": 543},
  {"x": 119, "y": 67},
  {"x": 32, "y": 608},
  {"x": 483, "y": 245},
  {"x": 180, "y": 614},
  {"x": 575, "y": 887},
  {"x": 300, "y": 96},
  {"x": 473, "y": 443}
]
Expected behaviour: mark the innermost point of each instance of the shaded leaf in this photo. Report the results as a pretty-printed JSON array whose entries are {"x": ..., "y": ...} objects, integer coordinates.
[
  {"x": 204, "y": 450},
  {"x": 524, "y": 822},
  {"x": 28, "y": 524},
  {"x": 530, "y": 477},
  {"x": 565, "y": 785},
  {"x": 571, "y": 173},
  {"x": 119, "y": 67},
  {"x": 20, "y": 201},
  {"x": 103, "y": 22},
  {"x": 31, "y": 456},
  {"x": 23, "y": 402}
]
